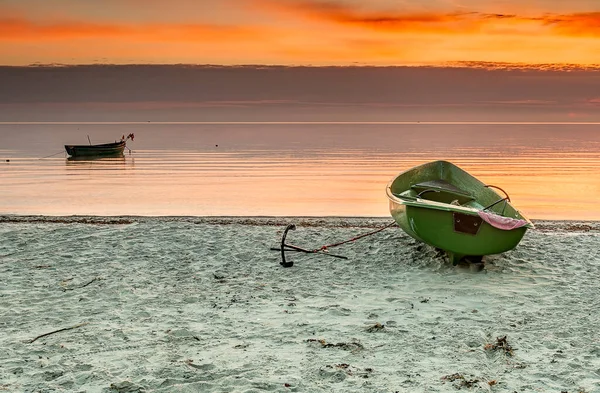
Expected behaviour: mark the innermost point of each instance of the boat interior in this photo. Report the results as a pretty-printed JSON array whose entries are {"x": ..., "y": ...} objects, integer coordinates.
[
  {"x": 445, "y": 183},
  {"x": 443, "y": 192}
]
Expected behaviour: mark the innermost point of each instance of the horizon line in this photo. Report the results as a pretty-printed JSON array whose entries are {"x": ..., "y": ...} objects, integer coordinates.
[
  {"x": 297, "y": 122},
  {"x": 470, "y": 64}
]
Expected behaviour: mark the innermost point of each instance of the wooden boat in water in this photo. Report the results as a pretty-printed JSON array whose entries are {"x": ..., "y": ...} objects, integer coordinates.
[
  {"x": 114, "y": 149},
  {"x": 107, "y": 149},
  {"x": 442, "y": 205}
]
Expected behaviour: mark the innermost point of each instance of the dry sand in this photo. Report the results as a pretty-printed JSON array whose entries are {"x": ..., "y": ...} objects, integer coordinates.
[{"x": 202, "y": 305}]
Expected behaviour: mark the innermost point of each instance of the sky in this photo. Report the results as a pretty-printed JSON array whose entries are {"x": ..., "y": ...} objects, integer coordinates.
[
  {"x": 300, "y": 32},
  {"x": 300, "y": 60}
]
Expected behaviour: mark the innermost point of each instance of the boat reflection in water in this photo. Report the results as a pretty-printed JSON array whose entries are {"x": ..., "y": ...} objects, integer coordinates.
[
  {"x": 100, "y": 160},
  {"x": 101, "y": 163}
]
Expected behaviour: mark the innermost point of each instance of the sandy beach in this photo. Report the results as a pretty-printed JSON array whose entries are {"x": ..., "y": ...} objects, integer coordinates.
[{"x": 134, "y": 304}]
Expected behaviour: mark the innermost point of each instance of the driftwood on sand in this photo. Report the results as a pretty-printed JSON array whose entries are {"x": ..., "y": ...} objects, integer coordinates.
[{"x": 57, "y": 331}]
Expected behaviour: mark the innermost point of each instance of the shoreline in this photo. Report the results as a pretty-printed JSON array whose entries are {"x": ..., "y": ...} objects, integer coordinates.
[{"x": 328, "y": 221}]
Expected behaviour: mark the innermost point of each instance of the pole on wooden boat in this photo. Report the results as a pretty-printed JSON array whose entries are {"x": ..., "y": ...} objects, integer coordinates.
[{"x": 89, "y": 139}]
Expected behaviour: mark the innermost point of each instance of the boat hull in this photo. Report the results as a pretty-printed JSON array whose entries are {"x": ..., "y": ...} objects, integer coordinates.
[
  {"x": 437, "y": 228},
  {"x": 105, "y": 150},
  {"x": 458, "y": 227}
]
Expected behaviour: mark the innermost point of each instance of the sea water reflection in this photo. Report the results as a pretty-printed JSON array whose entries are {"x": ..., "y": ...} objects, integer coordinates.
[{"x": 550, "y": 172}]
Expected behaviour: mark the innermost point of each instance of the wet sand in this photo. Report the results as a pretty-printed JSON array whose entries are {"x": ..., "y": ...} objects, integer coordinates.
[{"x": 202, "y": 305}]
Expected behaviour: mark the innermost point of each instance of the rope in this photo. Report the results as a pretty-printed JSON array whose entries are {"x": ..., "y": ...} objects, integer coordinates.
[
  {"x": 325, "y": 247},
  {"x": 51, "y": 155}
]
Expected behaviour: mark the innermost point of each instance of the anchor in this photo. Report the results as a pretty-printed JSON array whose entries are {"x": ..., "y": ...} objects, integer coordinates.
[{"x": 290, "y": 247}]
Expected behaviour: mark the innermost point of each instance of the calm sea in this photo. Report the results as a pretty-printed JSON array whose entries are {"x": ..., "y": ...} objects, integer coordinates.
[{"x": 551, "y": 171}]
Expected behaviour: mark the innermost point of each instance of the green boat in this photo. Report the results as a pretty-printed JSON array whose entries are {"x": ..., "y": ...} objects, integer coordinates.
[{"x": 442, "y": 205}]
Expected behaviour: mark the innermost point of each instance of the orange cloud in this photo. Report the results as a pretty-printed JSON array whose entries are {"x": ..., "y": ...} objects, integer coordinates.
[
  {"x": 346, "y": 15},
  {"x": 487, "y": 65},
  {"x": 21, "y": 29},
  {"x": 580, "y": 24},
  {"x": 594, "y": 101}
]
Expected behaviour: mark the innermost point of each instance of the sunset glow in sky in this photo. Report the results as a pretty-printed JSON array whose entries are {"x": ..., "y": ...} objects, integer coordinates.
[{"x": 299, "y": 32}]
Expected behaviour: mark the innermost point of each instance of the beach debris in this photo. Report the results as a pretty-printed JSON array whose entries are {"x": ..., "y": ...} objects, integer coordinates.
[
  {"x": 126, "y": 387},
  {"x": 221, "y": 278},
  {"x": 190, "y": 362},
  {"x": 580, "y": 390},
  {"x": 460, "y": 381},
  {"x": 452, "y": 377},
  {"x": 324, "y": 250},
  {"x": 202, "y": 366},
  {"x": 64, "y": 288},
  {"x": 500, "y": 344},
  {"x": 352, "y": 346},
  {"x": 375, "y": 328},
  {"x": 349, "y": 370},
  {"x": 57, "y": 331}
]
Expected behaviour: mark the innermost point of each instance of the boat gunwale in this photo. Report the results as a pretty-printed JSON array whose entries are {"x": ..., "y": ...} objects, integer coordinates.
[
  {"x": 103, "y": 145},
  {"x": 428, "y": 204}
]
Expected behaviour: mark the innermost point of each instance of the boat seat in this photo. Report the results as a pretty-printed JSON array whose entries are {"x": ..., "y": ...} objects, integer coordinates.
[{"x": 444, "y": 187}]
